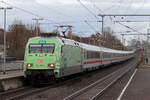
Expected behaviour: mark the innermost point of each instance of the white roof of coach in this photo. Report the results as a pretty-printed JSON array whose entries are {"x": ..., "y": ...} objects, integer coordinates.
[
  {"x": 87, "y": 46},
  {"x": 68, "y": 41},
  {"x": 96, "y": 48},
  {"x": 92, "y": 47}
]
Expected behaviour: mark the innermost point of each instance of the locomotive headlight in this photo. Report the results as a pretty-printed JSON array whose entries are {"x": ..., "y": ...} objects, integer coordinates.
[
  {"x": 29, "y": 65},
  {"x": 51, "y": 65}
]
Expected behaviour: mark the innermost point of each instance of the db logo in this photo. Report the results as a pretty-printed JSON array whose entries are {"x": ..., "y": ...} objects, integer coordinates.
[{"x": 40, "y": 61}]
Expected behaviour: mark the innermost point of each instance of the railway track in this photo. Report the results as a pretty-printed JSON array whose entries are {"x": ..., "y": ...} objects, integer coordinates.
[
  {"x": 7, "y": 94},
  {"x": 23, "y": 92},
  {"x": 26, "y": 92},
  {"x": 96, "y": 89}
]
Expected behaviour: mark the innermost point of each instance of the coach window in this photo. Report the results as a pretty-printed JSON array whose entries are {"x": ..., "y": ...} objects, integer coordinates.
[
  {"x": 114, "y": 55},
  {"x": 84, "y": 52},
  {"x": 97, "y": 55},
  {"x": 88, "y": 54},
  {"x": 92, "y": 54},
  {"x": 106, "y": 55},
  {"x": 103, "y": 54},
  {"x": 111, "y": 55}
]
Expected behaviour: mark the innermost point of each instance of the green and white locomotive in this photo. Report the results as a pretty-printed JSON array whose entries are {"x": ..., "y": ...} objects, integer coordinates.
[
  {"x": 51, "y": 57},
  {"x": 56, "y": 57}
]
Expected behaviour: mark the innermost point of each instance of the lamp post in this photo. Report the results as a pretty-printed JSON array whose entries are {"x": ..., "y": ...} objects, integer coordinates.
[{"x": 4, "y": 60}]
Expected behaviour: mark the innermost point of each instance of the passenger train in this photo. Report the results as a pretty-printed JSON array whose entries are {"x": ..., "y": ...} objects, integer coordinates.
[{"x": 57, "y": 57}]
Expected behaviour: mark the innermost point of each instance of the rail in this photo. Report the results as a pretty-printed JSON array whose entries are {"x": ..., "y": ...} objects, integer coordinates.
[
  {"x": 102, "y": 91},
  {"x": 115, "y": 76},
  {"x": 30, "y": 90}
]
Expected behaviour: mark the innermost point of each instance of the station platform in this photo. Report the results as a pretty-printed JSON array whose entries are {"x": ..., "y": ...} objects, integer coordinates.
[
  {"x": 11, "y": 80},
  {"x": 11, "y": 75},
  {"x": 139, "y": 87}
]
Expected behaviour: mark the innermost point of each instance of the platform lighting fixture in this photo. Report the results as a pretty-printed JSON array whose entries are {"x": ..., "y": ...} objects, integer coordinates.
[{"x": 4, "y": 59}]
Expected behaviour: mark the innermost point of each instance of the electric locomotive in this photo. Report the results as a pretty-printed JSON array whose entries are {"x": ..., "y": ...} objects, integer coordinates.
[{"x": 47, "y": 58}]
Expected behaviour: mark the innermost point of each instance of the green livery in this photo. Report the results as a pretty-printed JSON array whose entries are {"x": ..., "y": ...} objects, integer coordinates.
[{"x": 51, "y": 57}]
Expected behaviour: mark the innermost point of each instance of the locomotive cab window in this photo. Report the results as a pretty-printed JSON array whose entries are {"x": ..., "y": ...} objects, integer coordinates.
[{"x": 41, "y": 48}]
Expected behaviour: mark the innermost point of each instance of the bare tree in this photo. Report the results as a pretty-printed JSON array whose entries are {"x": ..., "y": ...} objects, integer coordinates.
[{"x": 17, "y": 37}]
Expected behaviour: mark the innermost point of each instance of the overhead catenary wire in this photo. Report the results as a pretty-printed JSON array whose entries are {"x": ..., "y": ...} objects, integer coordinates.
[
  {"x": 94, "y": 5},
  {"x": 95, "y": 15},
  {"x": 71, "y": 22},
  {"x": 56, "y": 11},
  {"x": 131, "y": 21},
  {"x": 88, "y": 9},
  {"x": 129, "y": 27},
  {"x": 135, "y": 30},
  {"x": 134, "y": 21},
  {"x": 100, "y": 10},
  {"x": 90, "y": 26},
  {"x": 29, "y": 12},
  {"x": 34, "y": 14},
  {"x": 79, "y": 21}
]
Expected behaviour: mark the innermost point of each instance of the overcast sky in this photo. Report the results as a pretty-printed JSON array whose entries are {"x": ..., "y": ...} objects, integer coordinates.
[{"x": 72, "y": 12}]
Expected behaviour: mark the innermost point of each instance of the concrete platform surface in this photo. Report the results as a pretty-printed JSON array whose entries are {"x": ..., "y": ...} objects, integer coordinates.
[
  {"x": 13, "y": 65},
  {"x": 11, "y": 80},
  {"x": 11, "y": 75},
  {"x": 139, "y": 88}
]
